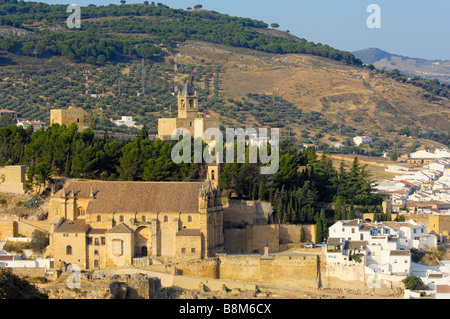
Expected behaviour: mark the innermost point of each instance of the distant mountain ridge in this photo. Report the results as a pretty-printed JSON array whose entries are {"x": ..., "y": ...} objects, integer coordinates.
[{"x": 429, "y": 69}]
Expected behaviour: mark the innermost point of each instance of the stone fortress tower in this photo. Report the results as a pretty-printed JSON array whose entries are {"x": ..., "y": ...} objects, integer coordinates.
[{"x": 188, "y": 117}]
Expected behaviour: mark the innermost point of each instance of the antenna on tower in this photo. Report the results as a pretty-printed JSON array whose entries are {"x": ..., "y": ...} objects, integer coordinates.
[
  {"x": 175, "y": 77},
  {"x": 86, "y": 74},
  {"x": 143, "y": 77}
]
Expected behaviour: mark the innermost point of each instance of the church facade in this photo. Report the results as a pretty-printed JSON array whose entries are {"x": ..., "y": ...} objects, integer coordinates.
[
  {"x": 106, "y": 224},
  {"x": 188, "y": 117}
]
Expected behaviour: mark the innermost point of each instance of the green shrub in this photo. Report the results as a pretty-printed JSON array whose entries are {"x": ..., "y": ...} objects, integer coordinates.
[{"x": 414, "y": 283}]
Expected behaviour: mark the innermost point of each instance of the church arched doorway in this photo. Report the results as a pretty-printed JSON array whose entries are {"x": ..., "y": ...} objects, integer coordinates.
[{"x": 143, "y": 241}]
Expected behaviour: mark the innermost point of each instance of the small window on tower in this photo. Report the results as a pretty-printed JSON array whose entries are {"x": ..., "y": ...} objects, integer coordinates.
[{"x": 212, "y": 175}]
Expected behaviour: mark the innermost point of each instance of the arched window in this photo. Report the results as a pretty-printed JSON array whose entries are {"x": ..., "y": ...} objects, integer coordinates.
[
  {"x": 212, "y": 175},
  {"x": 99, "y": 218},
  {"x": 191, "y": 104},
  {"x": 81, "y": 211},
  {"x": 96, "y": 263},
  {"x": 121, "y": 219},
  {"x": 190, "y": 219},
  {"x": 144, "y": 219},
  {"x": 166, "y": 219},
  {"x": 68, "y": 250},
  {"x": 96, "y": 252}
]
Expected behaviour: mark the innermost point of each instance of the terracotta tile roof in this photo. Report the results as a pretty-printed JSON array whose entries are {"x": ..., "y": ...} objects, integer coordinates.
[
  {"x": 6, "y": 257},
  {"x": 334, "y": 241},
  {"x": 365, "y": 228},
  {"x": 354, "y": 222},
  {"x": 443, "y": 289},
  {"x": 97, "y": 231},
  {"x": 357, "y": 244},
  {"x": 399, "y": 253},
  {"x": 121, "y": 228},
  {"x": 163, "y": 197},
  {"x": 391, "y": 224},
  {"x": 410, "y": 225},
  {"x": 189, "y": 232},
  {"x": 75, "y": 226}
]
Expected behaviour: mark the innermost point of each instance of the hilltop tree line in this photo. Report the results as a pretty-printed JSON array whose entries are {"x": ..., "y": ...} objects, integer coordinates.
[{"x": 166, "y": 27}]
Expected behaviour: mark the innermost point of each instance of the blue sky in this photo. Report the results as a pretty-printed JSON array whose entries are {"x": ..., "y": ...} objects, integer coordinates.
[{"x": 414, "y": 28}]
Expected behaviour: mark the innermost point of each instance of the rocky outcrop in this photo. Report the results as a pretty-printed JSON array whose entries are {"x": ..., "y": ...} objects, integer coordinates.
[
  {"x": 7, "y": 31},
  {"x": 136, "y": 286}
]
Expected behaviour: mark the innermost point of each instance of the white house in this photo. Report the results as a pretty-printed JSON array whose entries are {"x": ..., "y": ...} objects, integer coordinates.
[
  {"x": 438, "y": 154},
  {"x": 358, "y": 140},
  {"x": 37, "y": 125},
  {"x": 434, "y": 278},
  {"x": 126, "y": 121},
  {"x": 385, "y": 245}
]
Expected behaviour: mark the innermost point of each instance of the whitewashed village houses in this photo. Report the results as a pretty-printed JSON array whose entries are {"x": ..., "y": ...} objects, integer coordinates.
[{"x": 384, "y": 247}]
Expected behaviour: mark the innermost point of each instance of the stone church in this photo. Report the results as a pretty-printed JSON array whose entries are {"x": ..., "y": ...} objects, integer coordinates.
[
  {"x": 104, "y": 224},
  {"x": 188, "y": 117}
]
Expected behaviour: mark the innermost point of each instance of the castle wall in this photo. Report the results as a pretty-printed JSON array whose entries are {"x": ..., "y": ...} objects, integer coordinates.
[
  {"x": 255, "y": 237},
  {"x": 67, "y": 117},
  {"x": 239, "y": 211},
  {"x": 8, "y": 229},
  {"x": 440, "y": 224},
  {"x": 190, "y": 282},
  {"x": 26, "y": 228},
  {"x": 291, "y": 233},
  {"x": 12, "y": 179},
  {"x": 165, "y": 127},
  {"x": 235, "y": 240},
  {"x": 344, "y": 275},
  {"x": 288, "y": 271}
]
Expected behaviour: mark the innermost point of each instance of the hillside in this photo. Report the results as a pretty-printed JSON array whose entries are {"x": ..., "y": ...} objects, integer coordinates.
[
  {"x": 345, "y": 99},
  {"x": 430, "y": 69},
  {"x": 309, "y": 91}
]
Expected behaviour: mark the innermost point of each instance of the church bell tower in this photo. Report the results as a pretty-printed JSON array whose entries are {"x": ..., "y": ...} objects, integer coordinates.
[{"x": 187, "y": 103}]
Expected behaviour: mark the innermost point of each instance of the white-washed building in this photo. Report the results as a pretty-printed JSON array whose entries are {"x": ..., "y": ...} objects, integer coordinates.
[{"x": 385, "y": 246}]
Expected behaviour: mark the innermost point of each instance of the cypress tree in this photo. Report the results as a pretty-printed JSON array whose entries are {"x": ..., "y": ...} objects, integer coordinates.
[
  {"x": 302, "y": 234},
  {"x": 337, "y": 209},
  {"x": 255, "y": 192},
  {"x": 351, "y": 215},
  {"x": 261, "y": 191},
  {"x": 319, "y": 230},
  {"x": 375, "y": 216},
  {"x": 324, "y": 224}
]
